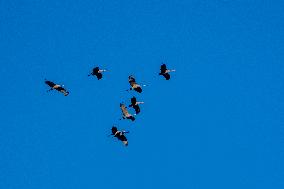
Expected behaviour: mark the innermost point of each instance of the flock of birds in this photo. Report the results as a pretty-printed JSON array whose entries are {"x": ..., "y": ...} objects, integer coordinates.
[{"x": 120, "y": 135}]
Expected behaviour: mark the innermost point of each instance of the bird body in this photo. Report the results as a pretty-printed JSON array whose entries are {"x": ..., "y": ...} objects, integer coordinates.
[
  {"x": 57, "y": 87},
  {"x": 97, "y": 72},
  {"x": 135, "y": 105},
  {"x": 165, "y": 72},
  {"x": 120, "y": 135},
  {"x": 134, "y": 86}
]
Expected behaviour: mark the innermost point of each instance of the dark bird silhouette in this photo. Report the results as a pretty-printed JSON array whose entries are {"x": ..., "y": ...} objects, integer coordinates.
[
  {"x": 119, "y": 135},
  {"x": 56, "y": 87},
  {"x": 97, "y": 72},
  {"x": 135, "y": 105},
  {"x": 165, "y": 72},
  {"x": 125, "y": 113},
  {"x": 134, "y": 86}
]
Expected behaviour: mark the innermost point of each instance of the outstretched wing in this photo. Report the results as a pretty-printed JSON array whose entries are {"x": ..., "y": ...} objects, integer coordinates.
[
  {"x": 123, "y": 139},
  {"x": 50, "y": 83},
  {"x": 62, "y": 90},
  {"x": 96, "y": 70},
  {"x": 131, "y": 79},
  {"x": 126, "y": 113},
  {"x": 137, "y": 88},
  {"x": 124, "y": 110},
  {"x": 137, "y": 109},
  {"x": 133, "y": 101},
  {"x": 113, "y": 130},
  {"x": 163, "y": 68},
  {"x": 99, "y": 75},
  {"x": 167, "y": 76}
]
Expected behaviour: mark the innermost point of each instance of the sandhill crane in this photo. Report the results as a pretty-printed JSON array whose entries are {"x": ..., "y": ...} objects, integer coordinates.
[
  {"x": 134, "y": 86},
  {"x": 165, "y": 72},
  {"x": 125, "y": 113},
  {"x": 97, "y": 72},
  {"x": 56, "y": 87},
  {"x": 135, "y": 105},
  {"x": 119, "y": 135}
]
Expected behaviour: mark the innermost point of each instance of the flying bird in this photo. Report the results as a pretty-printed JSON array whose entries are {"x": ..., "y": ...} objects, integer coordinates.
[
  {"x": 134, "y": 86},
  {"x": 165, "y": 72},
  {"x": 97, "y": 72},
  {"x": 56, "y": 87},
  {"x": 119, "y": 135},
  {"x": 125, "y": 113},
  {"x": 135, "y": 105}
]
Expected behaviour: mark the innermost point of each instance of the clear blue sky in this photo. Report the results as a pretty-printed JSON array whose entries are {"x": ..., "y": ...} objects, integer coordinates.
[{"x": 218, "y": 123}]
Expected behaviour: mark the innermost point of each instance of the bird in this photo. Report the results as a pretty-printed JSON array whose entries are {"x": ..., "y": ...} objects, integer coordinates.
[
  {"x": 135, "y": 104},
  {"x": 56, "y": 87},
  {"x": 119, "y": 135},
  {"x": 125, "y": 113},
  {"x": 97, "y": 72},
  {"x": 165, "y": 72},
  {"x": 134, "y": 86}
]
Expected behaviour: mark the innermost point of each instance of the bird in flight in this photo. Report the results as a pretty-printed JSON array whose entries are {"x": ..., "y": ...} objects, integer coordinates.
[
  {"x": 125, "y": 113},
  {"x": 135, "y": 105},
  {"x": 134, "y": 86},
  {"x": 97, "y": 72},
  {"x": 56, "y": 87},
  {"x": 120, "y": 135},
  {"x": 165, "y": 72}
]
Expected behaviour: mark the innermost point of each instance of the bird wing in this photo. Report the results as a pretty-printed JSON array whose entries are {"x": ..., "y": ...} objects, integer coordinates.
[
  {"x": 60, "y": 88},
  {"x": 137, "y": 109},
  {"x": 113, "y": 130},
  {"x": 99, "y": 75},
  {"x": 137, "y": 88},
  {"x": 50, "y": 83},
  {"x": 167, "y": 76},
  {"x": 133, "y": 100},
  {"x": 163, "y": 68},
  {"x": 132, "y": 83},
  {"x": 96, "y": 70},
  {"x": 136, "y": 85},
  {"x": 124, "y": 110},
  {"x": 131, "y": 79},
  {"x": 122, "y": 137}
]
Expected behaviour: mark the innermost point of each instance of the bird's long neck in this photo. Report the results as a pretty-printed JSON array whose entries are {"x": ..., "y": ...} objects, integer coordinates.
[{"x": 170, "y": 71}]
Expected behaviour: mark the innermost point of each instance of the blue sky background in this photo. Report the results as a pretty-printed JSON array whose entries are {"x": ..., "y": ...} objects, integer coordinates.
[{"x": 218, "y": 123}]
